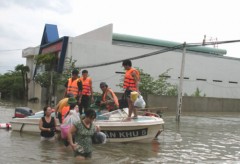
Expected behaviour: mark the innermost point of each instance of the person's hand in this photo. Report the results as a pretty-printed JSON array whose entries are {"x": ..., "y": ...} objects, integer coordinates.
[
  {"x": 97, "y": 128},
  {"x": 92, "y": 99},
  {"x": 74, "y": 147}
]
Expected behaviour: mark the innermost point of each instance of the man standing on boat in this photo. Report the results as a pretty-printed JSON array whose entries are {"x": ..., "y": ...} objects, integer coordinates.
[
  {"x": 130, "y": 84},
  {"x": 73, "y": 85},
  {"x": 87, "y": 92}
]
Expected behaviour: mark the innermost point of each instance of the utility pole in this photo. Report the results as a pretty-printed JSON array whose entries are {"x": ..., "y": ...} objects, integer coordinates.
[{"x": 179, "y": 100}]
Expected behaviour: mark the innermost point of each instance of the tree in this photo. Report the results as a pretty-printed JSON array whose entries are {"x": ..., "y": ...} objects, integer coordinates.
[
  {"x": 50, "y": 79},
  {"x": 24, "y": 70},
  {"x": 45, "y": 79},
  {"x": 160, "y": 86},
  {"x": 11, "y": 85}
]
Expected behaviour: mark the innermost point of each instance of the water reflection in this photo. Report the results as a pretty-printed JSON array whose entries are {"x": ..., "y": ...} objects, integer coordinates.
[{"x": 198, "y": 138}]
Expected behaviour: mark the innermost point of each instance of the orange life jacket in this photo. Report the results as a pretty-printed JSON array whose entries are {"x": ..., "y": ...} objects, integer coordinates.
[
  {"x": 129, "y": 82},
  {"x": 113, "y": 95},
  {"x": 65, "y": 109},
  {"x": 72, "y": 87},
  {"x": 86, "y": 84}
]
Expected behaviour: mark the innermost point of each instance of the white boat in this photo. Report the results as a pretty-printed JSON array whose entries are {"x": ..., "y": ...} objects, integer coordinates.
[
  {"x": 29, "y": 124},
  {"x": 119, "y": 128},
  {"x": 116, "y": 125}
]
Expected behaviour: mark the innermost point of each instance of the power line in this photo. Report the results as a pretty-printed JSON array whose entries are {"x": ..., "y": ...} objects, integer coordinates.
[
  {"x": 162, "y": 51},
  {"x": 134, "y": 58},
  {"x": 7, "y": 50}
]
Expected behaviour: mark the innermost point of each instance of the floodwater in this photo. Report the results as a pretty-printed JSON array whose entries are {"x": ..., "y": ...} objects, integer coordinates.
[{"x": 198, "y": 138}]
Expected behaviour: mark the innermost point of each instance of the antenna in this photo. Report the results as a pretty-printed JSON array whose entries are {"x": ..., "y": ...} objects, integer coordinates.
[{"x": 214, "y": 40}]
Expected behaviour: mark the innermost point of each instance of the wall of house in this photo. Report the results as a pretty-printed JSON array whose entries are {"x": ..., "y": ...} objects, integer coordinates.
[
  {"x": 215, "y": 76},
  {"x": 96, "y": 47}
]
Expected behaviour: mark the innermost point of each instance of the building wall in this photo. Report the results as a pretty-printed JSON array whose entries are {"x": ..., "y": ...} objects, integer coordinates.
[
  {"x": 97, "y": 47},
  {"x": 195, "y": 104}
]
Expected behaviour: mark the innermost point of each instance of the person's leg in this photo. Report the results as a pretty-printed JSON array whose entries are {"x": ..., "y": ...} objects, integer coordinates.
[
  {"x": 135, "y": 111},
  {"x": 80, "y": 107},
  {"x": 130, "y": 107},
  {"x": 60, "y": 117},
  {"x": 87, "y": 104},
  {"x": 130, "y": 103}
]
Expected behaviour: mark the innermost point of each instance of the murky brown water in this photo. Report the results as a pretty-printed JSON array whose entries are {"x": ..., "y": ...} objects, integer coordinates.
[{"x": 198, "y": 138}]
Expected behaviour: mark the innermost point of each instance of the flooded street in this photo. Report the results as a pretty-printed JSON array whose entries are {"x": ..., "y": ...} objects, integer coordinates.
[{"x": 198, "y": 138}]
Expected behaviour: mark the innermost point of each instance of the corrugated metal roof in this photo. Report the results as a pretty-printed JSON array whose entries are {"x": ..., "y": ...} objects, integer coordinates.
[{"x": 163, "y": 43}]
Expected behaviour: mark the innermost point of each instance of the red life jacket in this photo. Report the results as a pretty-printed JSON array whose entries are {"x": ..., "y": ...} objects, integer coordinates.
[
  {"x": 72, "y": 87},
  {"x": 86, "y": 84},
  {"x": 108, "y": 90},
  {"x": 129, "y": 82}
]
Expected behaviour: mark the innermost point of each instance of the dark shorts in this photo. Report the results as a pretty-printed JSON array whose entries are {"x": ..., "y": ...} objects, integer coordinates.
[
  {"x": 128, "y": 93},
  {"x": 85, "y": 103}
]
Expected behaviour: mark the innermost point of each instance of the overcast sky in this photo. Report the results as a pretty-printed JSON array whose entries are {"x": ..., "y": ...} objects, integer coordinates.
[{"x": 22, "y": 22}]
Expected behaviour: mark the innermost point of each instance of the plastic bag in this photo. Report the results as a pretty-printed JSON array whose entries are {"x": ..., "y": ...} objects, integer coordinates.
[
  {"x": 64, "y": 130},
  {"x": 99, "y": 138},
  {"x": 72, "y": 118},
  {"x": 140, "y": 103}
]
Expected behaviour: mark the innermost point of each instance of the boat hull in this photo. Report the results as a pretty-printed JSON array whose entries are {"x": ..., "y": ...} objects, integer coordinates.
[
  {"x": 143, "y": 134},
  {"x": 117, "y": 126},
  {"x": 142, "y": 129},
  {"x": 25, "y": 125}
]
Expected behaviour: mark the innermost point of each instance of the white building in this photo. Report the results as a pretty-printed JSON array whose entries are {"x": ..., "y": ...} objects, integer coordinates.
[{"x": 205, "y": 68}]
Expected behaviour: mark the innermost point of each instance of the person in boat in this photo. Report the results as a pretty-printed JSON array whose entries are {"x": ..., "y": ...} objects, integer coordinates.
[
  {"x": 109, "y": 99},
  {"x": 86, "y": 96},
  {"x": 83, "y": 131},
  {"x": 130, "y": 84},
  {"x": 47, "y": 124},
  {"x": 61, "y": 104}
]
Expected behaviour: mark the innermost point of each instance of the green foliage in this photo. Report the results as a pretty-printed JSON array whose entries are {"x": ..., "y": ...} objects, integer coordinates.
[
  {"x": 50, "y": 79},
  {"x": 197, "y": 93},
  {"x": 23, "y": 69},
  {"x": 44, "y": 80},
  {"x": 160, "y": 86},
  {"x": 45, "y": 59},
  {"x": 67, "y": 72},
  {"x": 11, "y": 85}
]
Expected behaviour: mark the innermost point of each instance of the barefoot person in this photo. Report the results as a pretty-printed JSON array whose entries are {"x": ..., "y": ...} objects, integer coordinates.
[{"x": 130, "y": 84}]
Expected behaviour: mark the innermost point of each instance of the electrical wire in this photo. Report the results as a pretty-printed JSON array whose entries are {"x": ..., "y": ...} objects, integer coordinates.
[
  {"x": 134, "y": 58},
  {"x": 10, "y": 50},
  {"x": 180, "y": 46}
]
